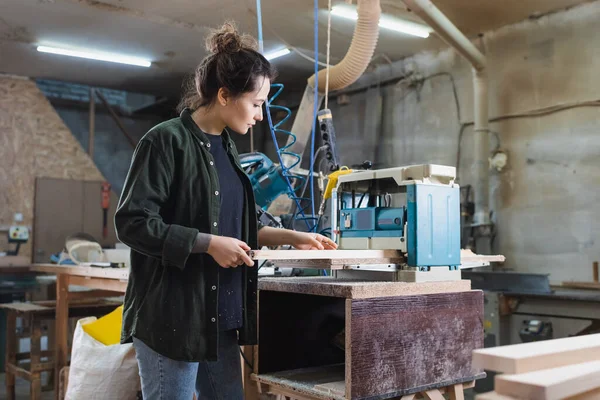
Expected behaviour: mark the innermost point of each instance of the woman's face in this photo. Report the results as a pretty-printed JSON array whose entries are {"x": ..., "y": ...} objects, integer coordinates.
[{"x": 242, "y": 112}]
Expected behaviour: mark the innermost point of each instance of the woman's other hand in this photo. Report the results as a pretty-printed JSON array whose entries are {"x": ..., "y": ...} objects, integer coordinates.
[{"x": 312, "y": 241}]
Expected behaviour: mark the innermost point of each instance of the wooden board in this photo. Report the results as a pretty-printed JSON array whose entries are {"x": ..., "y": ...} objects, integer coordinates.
[
  {"x": 336, "y": 259},
  {"x": 581, "y": 285},
  {"x": 108, "y": 273},
  {"x": 323, "y": 254},
  {"x": 356, "y": 289},
  {"x": 551, "y": 384},
  {"x": 527, "y": 357},
  {"x": 420, "y": 341},
  {"x": 58, "y": 213},
  {"x": 67, "y": 206},
  {"x": 309, "y": 383},
  {"x": 469, "y": 259}
]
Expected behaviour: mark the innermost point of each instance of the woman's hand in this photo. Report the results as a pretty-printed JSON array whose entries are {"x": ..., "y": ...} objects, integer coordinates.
[
  {"x": 312, "y": 241},
  {"x": 229, "y": 252}
]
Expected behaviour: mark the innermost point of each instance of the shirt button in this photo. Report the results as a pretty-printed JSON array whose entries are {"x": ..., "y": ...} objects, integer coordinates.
[
  {"x": 214, "y": 224},
  {"x": 216, "y": 192},
  {"x": 214, "y": 288},
  {"x": 207, "y": 144},
  {"x": 202, "y": 143},
  {"x": 212, "y": 163},
  {"x": 213, "y": 319}
]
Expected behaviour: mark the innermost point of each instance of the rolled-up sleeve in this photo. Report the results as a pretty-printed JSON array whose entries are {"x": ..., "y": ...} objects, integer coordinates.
[{"x": 138, "y": 219}]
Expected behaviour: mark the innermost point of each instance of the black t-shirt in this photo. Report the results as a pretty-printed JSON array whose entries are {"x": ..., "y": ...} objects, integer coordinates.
[{"x": 230, "y": 224}]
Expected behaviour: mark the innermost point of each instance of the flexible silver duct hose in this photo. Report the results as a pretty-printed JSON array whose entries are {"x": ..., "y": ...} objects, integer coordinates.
[{"x": 362, "y": 47}]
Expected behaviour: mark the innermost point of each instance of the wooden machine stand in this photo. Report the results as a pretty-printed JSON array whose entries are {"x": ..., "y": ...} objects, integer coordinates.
[{"x": 326, "y": 338}]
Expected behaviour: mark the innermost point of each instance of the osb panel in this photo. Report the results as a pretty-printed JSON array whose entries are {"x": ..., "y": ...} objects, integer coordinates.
[{"x": 34, "y": 142}]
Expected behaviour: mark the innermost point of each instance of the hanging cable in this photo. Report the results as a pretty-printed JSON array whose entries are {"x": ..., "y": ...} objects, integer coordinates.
[
  {"x": 259, "y": 21},
  {"x": 328, "y": 54}
]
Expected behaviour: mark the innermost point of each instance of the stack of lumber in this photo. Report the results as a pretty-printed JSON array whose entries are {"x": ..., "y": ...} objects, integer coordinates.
[{"x": 566, "y": 368}]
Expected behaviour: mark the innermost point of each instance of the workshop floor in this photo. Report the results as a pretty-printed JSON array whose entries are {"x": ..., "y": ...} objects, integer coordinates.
[{"x": 22, "y": 389}]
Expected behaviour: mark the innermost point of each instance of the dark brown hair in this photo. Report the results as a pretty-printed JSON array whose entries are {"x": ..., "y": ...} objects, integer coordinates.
[{"x": 233, "y": 63}]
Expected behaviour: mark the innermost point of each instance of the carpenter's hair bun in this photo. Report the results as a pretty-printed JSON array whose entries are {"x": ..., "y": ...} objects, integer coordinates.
[{"x": 226, "y": 39}]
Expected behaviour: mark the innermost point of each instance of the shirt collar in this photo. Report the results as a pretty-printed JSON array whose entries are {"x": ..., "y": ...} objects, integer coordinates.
[{"x": 190, "y": 124}]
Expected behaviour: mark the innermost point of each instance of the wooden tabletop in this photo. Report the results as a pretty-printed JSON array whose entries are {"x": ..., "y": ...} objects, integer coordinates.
[{"x": 77, "y": 270}]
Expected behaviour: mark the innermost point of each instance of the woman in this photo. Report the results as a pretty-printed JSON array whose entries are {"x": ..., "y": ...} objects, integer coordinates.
[{"x": 187, "y": 212}]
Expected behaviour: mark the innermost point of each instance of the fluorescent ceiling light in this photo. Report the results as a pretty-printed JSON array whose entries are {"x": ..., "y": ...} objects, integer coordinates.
[
  {"x": 385, "y": 21},
  {"x": 278, "y": 53},
  {"x": 92, "y": 55}
]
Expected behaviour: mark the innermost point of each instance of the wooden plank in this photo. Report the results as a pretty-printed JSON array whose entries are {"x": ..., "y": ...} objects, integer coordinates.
[
  {"x": 61, "y": 321},
  {"x": 434, "y": 395},
  {"x": 336, "y": 259},
  {"x": 302, "y": 383},
  {"x": 337, "y": 388},
  {"x": 24, "y": 307},
  {"x": 250, "y": 388},
  {"x": 470, "y": 259},
  {"x": 551, "y": 384},
  {"x": 337, "y": 264},
  {"x": 108, "y": 273},
  {"x": 581, "y": 285},
  {"x": 493, "y": 396},
  {"x": 17, "y": 371},
  {"x": 11, "y": 353},
  {"x": 357, "y": 289},
  {"x": 113, "y": 285},
  {"x": 406, "y": 342},
  {"x": 456, "y": 392},
  {"x": 292, "y": 255},
  {"x": 527, "y": 357}
]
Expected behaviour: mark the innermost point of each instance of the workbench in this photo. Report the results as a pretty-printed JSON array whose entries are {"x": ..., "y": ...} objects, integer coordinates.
[
  {"x": 328, "y": 338},
  {"x": 104, "y": 282}
]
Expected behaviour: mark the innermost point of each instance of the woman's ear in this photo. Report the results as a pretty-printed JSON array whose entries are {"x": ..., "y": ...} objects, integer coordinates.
[{"x": 223, "y": 96}]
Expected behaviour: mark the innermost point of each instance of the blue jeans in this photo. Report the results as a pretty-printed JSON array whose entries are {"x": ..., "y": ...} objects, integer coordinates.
[{"x": 166, "y": 379}]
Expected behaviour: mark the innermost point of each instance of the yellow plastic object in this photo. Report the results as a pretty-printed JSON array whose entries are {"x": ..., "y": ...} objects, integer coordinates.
[
  {"x": 332, "y": 180},
  {"x": 107, "y": 329}
]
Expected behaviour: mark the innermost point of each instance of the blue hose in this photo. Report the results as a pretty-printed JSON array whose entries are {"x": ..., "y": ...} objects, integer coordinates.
[{"x": 285, "y": 170}]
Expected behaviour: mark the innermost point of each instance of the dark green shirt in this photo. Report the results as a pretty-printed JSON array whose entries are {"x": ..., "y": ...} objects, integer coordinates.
[{"x": 170, "y": 194}]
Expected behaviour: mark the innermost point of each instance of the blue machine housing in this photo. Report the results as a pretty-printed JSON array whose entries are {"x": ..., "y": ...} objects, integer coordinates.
[
  {"x": 372, "y": 222},
  {"x": 266, "y": 178},
  {"x": 433, "y": 220}
]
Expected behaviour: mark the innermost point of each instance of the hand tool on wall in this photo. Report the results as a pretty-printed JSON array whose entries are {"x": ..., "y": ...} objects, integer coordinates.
[{"x": 105, "y": 207}]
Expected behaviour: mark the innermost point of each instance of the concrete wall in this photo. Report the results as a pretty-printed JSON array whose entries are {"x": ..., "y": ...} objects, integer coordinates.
[
  {"x": 112, "y": 151},
  {"x": 547, "y": 201}
]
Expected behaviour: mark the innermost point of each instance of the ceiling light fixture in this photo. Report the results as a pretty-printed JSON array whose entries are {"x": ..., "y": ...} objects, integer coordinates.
[
  {"x": 93, "y": 55},
  {"x": 385, "y": 21},
  {"x": 277, "y": 53}
]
